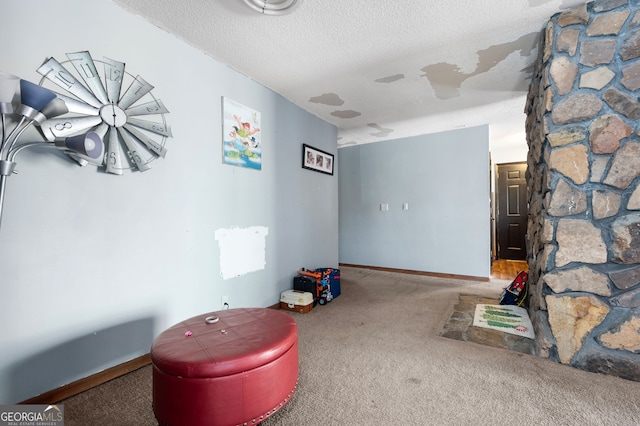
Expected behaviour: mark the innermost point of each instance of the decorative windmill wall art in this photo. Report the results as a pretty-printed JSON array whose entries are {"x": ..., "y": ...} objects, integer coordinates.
[{"x": 132, "y": 124}]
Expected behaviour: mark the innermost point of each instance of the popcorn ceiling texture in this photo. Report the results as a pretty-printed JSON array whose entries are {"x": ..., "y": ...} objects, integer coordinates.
[
  {"x": 410, "y": 67},
  {"x": 584, "y": 194}
]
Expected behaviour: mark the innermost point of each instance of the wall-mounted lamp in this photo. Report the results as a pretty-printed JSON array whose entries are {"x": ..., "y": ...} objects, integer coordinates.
[
  {"x": 273, "y": 7},
  {"x": 32, "y": 104}
]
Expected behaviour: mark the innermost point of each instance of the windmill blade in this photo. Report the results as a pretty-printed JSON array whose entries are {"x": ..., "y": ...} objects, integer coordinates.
[
  {"x": 102, "y": 130},
  {"x": 157, "y": 128},
  {"x": 53, "y": 71},
  {"x": 113, "y": 155},
  {"x": 64, "y": 127},
  {"x": 134, "y": 154},
  {"x": 83, "y": 160},
  {"x": 113, "y": 75},
  {"x": 85, "y": 66},
  {"x": 154, "y": 107},
  {"x": 137, "y": 89},
  {"x": 152, "y": 145},
  {"x": 77, "y": 107}
]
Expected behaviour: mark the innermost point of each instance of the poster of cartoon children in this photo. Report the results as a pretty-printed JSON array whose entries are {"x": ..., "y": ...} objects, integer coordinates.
[{"x": 242, "y": 138}]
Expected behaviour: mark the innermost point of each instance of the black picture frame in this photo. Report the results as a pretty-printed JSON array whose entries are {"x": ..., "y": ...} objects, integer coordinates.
[{"x": 317, "y": 160}]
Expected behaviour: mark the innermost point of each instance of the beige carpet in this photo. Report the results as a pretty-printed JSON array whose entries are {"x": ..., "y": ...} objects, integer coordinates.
[{"x": 375, "y": 356}]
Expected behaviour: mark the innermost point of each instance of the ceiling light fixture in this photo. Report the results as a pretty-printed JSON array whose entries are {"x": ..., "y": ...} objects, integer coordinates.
[{"x": 272, "y": 7}]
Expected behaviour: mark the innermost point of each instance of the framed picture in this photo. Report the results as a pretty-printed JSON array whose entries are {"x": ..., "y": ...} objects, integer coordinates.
[
  {"x": 318, "y": 160},
  {"x": 242, "y": 138}
]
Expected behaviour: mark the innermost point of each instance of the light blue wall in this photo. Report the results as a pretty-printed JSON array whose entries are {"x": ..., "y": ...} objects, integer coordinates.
[
  {"x": 444, "y": 178},
  {"x": 94, "y": 266}
]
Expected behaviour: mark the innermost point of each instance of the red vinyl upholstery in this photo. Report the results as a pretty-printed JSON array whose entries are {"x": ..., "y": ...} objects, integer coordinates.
[{"x": 238, "y": 370}]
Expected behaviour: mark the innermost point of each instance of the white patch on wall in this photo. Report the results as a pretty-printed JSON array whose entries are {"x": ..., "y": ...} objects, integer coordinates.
[{"x": 242, "y": 250}]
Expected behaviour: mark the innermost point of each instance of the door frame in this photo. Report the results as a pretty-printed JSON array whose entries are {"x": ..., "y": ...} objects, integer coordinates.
[{"x": 495, "y": 199}]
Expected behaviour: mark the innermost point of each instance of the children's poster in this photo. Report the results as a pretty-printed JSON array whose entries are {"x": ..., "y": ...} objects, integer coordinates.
[{"x": 242, "y": 137}]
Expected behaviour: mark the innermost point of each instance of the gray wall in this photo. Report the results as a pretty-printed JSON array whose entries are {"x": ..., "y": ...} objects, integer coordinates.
[
  {"x": 444, "y": 177},
  {"x": 94, "y": 266}
]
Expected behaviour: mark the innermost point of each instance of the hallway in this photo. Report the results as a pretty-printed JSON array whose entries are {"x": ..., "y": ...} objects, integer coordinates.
[{"x": 503, "y": 269}]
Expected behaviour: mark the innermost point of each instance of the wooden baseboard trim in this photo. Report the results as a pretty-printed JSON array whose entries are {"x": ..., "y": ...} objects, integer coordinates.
[
  {"x": 409, "y": 271},
  {"x": 56, "y": 395}
]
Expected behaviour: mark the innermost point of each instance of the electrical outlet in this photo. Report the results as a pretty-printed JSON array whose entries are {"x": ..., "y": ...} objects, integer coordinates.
[{"x": 224, "y": 301}]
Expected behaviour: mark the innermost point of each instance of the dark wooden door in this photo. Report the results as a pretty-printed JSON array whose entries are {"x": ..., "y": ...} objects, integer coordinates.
[{"x": 511, "y": 216}]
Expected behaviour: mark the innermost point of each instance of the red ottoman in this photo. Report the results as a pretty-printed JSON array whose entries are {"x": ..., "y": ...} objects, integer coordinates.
[{"x": 236, "y": 371}]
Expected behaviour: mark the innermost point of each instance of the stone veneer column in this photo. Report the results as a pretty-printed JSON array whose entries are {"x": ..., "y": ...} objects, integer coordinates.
[{"x": 583, "y": 236}]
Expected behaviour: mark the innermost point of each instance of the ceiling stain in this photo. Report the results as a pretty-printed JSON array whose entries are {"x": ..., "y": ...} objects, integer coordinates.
[
  {"x": 346, "y": 114},
  {"x": 327, "y": 99},
  {"x": 390, "y": 79},
  {"x": 382, "y": 132},
  {"x": 566, "y": 4},
  {"x": 528, "y": 70},
  {"x": 446, "y": 78},
  {"x": 536, "y": 3}
]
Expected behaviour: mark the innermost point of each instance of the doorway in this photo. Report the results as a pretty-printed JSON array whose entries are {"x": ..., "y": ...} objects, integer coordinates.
[{"x": 511, "y": 211}]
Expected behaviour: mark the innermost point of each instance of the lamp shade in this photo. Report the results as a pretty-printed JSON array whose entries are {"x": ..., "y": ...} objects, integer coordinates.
[
  {"x": 35, "y": 96},
  {"x": 54, "y": 108},
  {"x": 89, "y": 144},
  {"x": 8, "y": 87}
]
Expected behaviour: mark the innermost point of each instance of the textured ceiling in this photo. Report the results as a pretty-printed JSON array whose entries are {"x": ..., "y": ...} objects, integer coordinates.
[{"x": 377, "y": 69}]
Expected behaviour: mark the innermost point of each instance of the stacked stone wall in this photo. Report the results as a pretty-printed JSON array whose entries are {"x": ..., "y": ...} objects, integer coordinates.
[{"x": 583, "y": 178}]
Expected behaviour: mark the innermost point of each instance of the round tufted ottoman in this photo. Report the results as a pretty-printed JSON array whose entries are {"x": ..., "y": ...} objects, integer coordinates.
[{"x": 238, "y": 370}]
